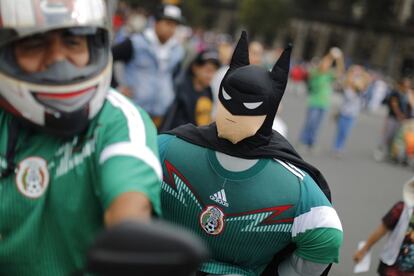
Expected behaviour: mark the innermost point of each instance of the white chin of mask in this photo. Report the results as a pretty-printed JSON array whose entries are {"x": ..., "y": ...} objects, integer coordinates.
[
  {"x": 233, "y": 133},
  {"x": 236, "y": 128}
]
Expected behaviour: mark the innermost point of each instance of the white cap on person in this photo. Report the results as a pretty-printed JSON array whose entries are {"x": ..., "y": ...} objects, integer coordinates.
[{"x": 169, "y": 12}]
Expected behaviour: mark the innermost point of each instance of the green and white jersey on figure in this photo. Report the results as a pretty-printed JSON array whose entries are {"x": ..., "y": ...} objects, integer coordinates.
[
  {"x": 53, "y": 207},
  {"x": 246, "y": 211}
]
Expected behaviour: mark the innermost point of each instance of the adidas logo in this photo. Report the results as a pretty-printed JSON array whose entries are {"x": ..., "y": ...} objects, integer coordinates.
[{"x": 220, "y": 197}]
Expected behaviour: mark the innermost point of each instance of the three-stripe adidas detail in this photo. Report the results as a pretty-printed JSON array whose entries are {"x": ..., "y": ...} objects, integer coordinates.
[{"x": 220, "y": 197}]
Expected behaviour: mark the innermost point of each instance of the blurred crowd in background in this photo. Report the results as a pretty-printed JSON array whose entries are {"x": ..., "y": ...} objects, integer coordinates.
[{"x": 173, "y": 70}]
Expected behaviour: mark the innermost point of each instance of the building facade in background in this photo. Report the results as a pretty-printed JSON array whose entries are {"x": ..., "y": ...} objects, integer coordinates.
[{"x": 378, "y": 34}]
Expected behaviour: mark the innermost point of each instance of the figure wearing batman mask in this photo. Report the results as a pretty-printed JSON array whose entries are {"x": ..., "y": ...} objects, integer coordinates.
[{"x": 243, "y": 188}]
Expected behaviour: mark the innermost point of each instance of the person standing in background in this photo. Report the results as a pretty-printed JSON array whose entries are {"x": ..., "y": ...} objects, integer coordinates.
[
  {"x": 256, "y": 52},
  {"x": 225, "y": 50},
  {"x": 320, "y": 85},
  {"x": 398, "y": 110},
  {"x": 298, "y": 78},
  {"x": 152, "y": 61},
  {"x": 356, "y": 82},
  {"x": 397, "y": 255},
  {"x": 135, "y": 22},
  {"x": 194, "y": 100}
]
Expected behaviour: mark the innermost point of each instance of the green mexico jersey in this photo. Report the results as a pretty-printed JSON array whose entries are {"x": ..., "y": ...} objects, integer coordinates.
[
  {"x": 249, "y": 215},
  {"x": 52, "y": 207}
]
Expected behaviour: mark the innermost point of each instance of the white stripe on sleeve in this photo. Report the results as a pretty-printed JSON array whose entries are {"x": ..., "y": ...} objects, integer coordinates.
[
  {"x": 137, "y": 146},
  {"x": 317, "y": 217},
  {"x": 299, "y": 175},
  {"x": 129, "y": 149},
  {"x": 296, "y": 169}
]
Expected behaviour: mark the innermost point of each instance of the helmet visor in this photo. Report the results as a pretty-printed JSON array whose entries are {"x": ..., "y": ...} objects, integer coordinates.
[{"x": 61, "y": 72}]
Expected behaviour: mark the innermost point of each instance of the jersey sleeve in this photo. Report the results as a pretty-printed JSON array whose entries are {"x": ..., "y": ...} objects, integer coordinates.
[
  {"x": 296, "y": 266},
  {"x": 163, "y": 141},
  {"x": 390, "y": 219},
  {"x": 316, "y": 230},
  {"x": 128, "y": 161}
]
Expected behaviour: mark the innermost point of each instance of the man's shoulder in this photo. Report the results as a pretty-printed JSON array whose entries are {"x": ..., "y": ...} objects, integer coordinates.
[
  {"x": 140, "y": 42},
  {"x": 139, "y": 37},
  {"x": 119, "y": 109},
  {"x": 115, "y": 101}
]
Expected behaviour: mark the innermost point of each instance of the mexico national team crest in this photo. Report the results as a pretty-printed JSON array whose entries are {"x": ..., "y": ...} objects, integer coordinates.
[
  {"x": 32, "y": 177},
  {"x": 212, "y": 220}
]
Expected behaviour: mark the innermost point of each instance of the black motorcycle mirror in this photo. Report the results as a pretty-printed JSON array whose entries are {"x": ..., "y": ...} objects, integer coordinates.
[{"x": 156, "y": 249}]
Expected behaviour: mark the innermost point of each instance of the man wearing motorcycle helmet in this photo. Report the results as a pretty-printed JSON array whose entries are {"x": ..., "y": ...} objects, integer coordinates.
[{"x": 75, "y": 156}]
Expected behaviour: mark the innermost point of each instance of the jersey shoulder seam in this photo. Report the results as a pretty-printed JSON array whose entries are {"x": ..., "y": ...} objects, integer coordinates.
[{"x": 292, "y": 169}]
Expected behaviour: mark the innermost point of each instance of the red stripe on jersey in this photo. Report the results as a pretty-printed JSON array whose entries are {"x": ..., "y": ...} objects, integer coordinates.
[
  {"x": 170, "y": 180},
  {"x": 276, "y": 211}
]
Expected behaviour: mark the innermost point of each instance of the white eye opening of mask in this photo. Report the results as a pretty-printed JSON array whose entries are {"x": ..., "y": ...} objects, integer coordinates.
[
  {"x": 252, "y": 105},
  {"x": 225, "y": 95}
]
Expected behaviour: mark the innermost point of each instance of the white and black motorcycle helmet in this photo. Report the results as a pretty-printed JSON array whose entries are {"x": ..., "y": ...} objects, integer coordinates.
[{"x": 64, "y": 98}]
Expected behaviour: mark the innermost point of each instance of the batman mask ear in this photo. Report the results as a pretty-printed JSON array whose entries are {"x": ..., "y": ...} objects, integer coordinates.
[
  {"x": 280, "y": 71},
  {"x": 241, "y": 53}
]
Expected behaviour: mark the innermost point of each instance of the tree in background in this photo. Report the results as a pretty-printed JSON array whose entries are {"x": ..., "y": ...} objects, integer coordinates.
[
  {"x": 149, "y": 6},
  {"x": 195, "y": 13},
  {"x": 379, "y": 12},
  {"x": 264, "y": 17}
]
